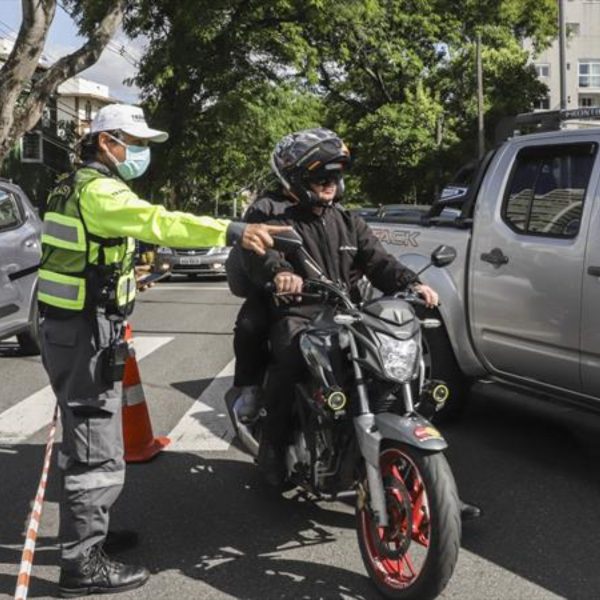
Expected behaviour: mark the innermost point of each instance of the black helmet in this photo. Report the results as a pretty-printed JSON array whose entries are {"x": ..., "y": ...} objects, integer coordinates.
[{"x": 306, "y": 156}]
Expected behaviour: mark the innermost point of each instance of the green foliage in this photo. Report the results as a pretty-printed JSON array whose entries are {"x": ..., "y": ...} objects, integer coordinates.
[{"x": 228, "y": 78}]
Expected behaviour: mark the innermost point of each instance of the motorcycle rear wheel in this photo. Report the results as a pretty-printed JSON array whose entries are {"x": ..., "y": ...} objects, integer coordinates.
[{"x": 421, "y": 499}]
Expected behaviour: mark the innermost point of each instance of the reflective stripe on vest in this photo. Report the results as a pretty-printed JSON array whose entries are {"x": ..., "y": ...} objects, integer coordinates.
[
  {"x": 126, "y": 289},
  {"x": 61, "y": 290},
  {"x": 63, "y": 232}
]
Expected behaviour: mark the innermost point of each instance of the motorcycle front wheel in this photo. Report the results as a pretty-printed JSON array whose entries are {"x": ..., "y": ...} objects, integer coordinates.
[{"x": 413, "y": 557}]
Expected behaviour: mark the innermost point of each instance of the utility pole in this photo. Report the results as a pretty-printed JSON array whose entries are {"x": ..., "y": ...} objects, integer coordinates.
[
  {"x": 480, "y": 123},
  {"x": 562, "y": 53}
]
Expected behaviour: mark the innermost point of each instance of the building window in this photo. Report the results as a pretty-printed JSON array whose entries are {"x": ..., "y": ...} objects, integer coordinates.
[
  {"x": 32, "y": 150},
  {"x": 542, "y": 104},
  {"x": 542, "y": 71},
  {"x": 547, "y": 189},
  {"x": 88, "y": 111},
  {"x": 573, "y": 29},
  {"x": 589, "y": 101},
  {"x": 589, "y": 74}
]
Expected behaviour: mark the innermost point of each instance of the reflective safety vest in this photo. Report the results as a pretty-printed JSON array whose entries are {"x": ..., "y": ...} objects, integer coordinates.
[{"x": 79, "y": 269}]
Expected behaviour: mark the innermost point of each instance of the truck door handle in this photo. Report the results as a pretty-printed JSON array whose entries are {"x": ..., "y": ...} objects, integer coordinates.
[
  {"x": 495, "y": 257},
  {"x": 595, "y": 271}
]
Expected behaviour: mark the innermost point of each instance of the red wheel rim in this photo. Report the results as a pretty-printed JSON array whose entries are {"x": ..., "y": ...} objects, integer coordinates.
[{"x": 396, "y": 554}]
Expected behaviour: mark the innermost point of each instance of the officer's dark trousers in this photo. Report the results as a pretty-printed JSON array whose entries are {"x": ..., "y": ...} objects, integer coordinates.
[
  {"x": 91, "y": 455},
  {"x": 250, "y": 341},
  {"x": 286, "y": 368}
]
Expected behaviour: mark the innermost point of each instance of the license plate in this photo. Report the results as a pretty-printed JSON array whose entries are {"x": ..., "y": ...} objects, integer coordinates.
[{"x": 190, "y": 260}]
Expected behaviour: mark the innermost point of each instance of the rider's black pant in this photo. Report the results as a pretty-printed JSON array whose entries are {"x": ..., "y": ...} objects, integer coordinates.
[
  {"x": 250, "y": 341},
  {"x": 286, "y": 368}
]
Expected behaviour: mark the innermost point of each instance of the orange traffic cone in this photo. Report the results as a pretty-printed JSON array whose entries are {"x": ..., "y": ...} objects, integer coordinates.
[{"x": 138, "y": 439}]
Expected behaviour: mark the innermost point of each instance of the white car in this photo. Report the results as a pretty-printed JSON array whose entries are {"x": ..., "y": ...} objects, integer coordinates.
[{"x": 194, "y": 262}]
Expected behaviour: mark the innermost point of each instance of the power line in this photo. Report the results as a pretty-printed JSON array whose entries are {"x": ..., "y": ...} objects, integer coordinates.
[{"x": 121, "y": 50}]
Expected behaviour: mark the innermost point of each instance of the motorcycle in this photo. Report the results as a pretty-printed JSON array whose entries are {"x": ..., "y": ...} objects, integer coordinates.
[{"x": 358, "y": 428}]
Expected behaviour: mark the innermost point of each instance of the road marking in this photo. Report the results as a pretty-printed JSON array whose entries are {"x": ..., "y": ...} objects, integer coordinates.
[
  {"x": 35, "y": 412},
  {"x": 206, "y": 426}
]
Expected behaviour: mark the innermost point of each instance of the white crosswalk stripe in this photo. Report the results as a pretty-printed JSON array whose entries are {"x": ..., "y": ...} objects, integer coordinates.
[
  {"x": 35, "y": 412},
  {"x": 206, "y": 426}
]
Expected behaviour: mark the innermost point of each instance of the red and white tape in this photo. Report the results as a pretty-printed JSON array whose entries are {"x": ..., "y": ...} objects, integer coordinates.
[{"x": 34, "y": 520}]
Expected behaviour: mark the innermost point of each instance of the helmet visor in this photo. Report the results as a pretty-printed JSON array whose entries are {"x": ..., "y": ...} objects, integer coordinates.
[{"x": 324, "y": 176}]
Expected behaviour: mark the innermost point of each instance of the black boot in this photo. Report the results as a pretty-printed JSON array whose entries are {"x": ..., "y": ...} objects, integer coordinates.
[
  {"x": 98, "y": 574},
  {"x": 120, "y": 541},
  {"x": 271, "y": 463},
  {"x": 468, "y": 512}
]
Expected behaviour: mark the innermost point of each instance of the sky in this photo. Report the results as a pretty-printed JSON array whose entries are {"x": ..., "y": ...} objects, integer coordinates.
[{"x": 111, "y": 69}]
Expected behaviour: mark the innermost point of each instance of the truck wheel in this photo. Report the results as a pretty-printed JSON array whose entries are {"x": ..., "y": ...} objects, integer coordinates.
[
  {"x": 440, "y": 363},
  {"x": 29, "y": 340}
]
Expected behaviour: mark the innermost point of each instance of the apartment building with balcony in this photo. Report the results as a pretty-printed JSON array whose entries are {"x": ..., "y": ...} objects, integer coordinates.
[{"x": 582, "y": 58}]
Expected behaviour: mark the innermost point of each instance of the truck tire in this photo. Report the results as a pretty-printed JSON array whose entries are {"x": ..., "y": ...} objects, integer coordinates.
[
  {"x": 29, "y": 339},
  {"x": 440, "y": 363}
]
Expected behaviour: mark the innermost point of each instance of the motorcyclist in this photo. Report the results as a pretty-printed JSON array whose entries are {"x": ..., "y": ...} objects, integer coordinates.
[
  {"x": 251, "y": 331},
  {"x": 310, "y": 166}
]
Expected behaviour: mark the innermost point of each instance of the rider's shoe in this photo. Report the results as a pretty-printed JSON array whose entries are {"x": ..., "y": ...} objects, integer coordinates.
[
  {"x": 468, "y": 512},
  {"x": 271, "y": 462},
  {"x": 247, "y": 403}
]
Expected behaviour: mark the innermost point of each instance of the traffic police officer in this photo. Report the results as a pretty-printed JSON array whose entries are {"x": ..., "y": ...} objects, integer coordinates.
[{"x": 86, "y": 289}]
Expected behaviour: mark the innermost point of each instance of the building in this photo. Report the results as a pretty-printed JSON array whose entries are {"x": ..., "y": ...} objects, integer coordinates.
[
  {"x": 78, "y": 101},
  {"x": 582, "y": 58}
]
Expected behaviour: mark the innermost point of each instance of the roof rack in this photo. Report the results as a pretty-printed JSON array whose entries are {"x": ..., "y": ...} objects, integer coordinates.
[{"x": 536, "y": 122}]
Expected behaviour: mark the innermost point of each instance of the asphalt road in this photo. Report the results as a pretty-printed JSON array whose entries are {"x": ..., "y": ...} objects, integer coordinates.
[{"x": 209, "y": 528}]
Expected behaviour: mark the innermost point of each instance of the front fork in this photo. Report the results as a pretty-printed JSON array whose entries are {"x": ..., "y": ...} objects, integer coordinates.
[{"x": 369, "y": 441}]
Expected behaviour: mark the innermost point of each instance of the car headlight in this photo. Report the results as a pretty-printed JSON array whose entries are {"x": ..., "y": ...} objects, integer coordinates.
[
  {"x": 217, "y": 250},
  {"x": 398, "y": 356},
  {"x": 164, "y": 250}
]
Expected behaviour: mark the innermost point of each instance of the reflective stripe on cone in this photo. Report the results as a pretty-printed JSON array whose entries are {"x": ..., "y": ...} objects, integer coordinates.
[{"x": 138, "y": 440}]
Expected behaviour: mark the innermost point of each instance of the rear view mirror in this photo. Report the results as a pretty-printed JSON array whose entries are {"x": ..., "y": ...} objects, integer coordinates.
[
  {"x": 287, "y": 241},
  {"x": 443, "y": 255}
]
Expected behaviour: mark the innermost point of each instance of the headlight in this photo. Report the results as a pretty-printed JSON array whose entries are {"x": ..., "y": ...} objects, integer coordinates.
[
  {"x": 163, "y": 250},
  {"x": 217, "y": 250},
  {"x": 398, "y": 356}
]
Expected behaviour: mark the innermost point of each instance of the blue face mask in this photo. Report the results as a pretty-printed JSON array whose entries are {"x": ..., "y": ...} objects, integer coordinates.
[{"x": 137, "y": 159}]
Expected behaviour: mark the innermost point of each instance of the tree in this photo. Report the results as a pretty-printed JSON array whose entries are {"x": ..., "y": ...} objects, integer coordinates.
[
  {"x": 23, "y": 92},
  {"x": 373, "y": 69}
]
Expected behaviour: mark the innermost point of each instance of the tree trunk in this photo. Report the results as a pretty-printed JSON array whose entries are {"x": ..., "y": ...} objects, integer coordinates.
[{"x": 22, "y": 100}]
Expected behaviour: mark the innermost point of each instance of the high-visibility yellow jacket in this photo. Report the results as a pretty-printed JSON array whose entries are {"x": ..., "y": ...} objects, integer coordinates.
[{"x": 91, "y": 221}]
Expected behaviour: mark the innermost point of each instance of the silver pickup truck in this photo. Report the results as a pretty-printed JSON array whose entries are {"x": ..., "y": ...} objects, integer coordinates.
[{"x": 521, "y": 303}]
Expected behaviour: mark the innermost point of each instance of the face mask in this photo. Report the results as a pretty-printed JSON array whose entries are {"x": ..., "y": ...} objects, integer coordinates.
[{"x": 137, "y": 159}]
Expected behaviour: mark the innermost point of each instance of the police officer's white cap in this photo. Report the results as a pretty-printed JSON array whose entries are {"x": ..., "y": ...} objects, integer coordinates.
[{"x": 127, "y": 118}]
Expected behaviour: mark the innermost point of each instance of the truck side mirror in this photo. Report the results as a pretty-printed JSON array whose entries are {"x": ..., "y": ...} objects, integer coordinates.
[{"x": 443, "y": 256}]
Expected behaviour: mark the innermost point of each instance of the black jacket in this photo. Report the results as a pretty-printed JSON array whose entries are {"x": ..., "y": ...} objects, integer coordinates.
[
  {"x": 265, "y": 208},
  {"x": 342, "y": 245}
]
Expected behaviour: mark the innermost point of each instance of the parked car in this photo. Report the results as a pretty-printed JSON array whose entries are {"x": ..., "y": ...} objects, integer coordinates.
[
  {"x": 193, "y": 262},
  {"x": 20, "y": 253},
  {"x": 520, "y": 302}
]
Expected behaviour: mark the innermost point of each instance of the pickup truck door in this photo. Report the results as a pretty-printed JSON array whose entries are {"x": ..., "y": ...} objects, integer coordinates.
[
  {"x": 526, "y": 264},
  {"x": 590, "y": 313}
]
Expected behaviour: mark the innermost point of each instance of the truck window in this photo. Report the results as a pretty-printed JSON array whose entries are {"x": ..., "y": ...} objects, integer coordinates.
[{"x": 546, "y": 190}]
